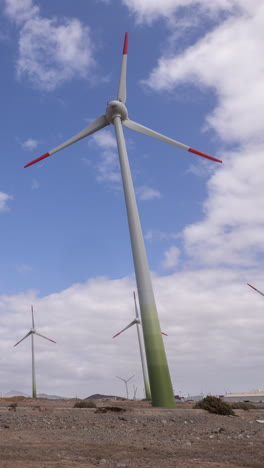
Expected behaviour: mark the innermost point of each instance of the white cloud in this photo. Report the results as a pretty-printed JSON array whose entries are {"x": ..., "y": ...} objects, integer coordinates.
[
  {"x": 171, "y": 258},
  {"x": 20, "y": 10},
  {"x": 30, "y": 144},
  {"x": 35, "y": 184},
  {"x": 145, "y": 193},
  {"x": 232, "y": 231},
  {"x": 160, "y": 236},
  {"x": 23, "y": 268},
  {"x": 105, "y": 139},
  {"x": 50, "y": 51},
  {"x": 150, "y": 10},
  {"x": 4, "y": 198},
  {"x": 204, "y": 312},
  {"x": 229, "y": 61},
  {"x": 108, "y": 170}
]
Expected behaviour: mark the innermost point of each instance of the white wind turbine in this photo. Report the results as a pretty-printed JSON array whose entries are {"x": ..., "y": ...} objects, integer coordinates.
[
  {"x": 126, "y": 382},
  {"x": 117, "y": 115},
  {"x": 137, "y": 322},
  {"x": 33, "y": 332}
]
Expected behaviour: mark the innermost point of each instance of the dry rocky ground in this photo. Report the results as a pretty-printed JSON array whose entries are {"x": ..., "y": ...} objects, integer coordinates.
[{"x": 53, "y": 434}]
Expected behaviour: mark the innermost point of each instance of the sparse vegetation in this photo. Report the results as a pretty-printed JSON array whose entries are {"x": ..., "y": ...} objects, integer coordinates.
[
  {"x": 106, "y": 409},
  {"x": 12, "y": 405},
  {"x": 85, "y": 404},
  {"x": 215, "y": 405},
  {"x": 242, "y": 405}
]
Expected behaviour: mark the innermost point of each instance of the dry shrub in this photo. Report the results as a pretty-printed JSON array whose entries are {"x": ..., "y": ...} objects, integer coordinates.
[
  {"x": 85, "y": 404},
  {"x": 106, "y": 409},
  {"x": 242, "y": 405},
  {"x": 13, "y": 405},
  {"x": 215, "y": 405}
]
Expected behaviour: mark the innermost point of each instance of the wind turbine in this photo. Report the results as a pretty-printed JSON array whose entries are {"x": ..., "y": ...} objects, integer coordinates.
[
  {"x": 126, "y": 381},
  {"x": 262, "y": 294},
  {"x": 137, "y": 322},
  {"x": 33, "y": 332},
  {"x": 117, "y": 115}
]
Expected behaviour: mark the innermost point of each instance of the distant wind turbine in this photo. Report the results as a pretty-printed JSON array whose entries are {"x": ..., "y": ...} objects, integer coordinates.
[
  {"x": 126, "y": 381},
  {"x": 262, "y": 294},
  {"x": 33, "y": 332},
  {"x": 137, "y": 322},
  {"x": 117, "y": 115}
]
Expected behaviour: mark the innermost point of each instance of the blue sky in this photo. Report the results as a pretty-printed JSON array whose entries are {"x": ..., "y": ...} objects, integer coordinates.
[{"x": 194, "y": 74}]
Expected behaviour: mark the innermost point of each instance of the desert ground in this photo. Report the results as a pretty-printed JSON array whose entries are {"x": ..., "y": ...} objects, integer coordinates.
[{"x": 123, "y": 434}]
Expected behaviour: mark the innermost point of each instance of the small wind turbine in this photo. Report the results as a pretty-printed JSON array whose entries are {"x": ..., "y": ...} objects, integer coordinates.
[
  {"x": 137, "y": 322},
  {"x": 126, "y": 381},
  {"x": 117, "y": 115},
  {"x": 33, "y": 332},
  {"x": 262, "y": 294}
]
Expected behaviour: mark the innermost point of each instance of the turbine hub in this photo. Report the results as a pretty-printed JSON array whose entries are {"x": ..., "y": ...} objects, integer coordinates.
[{"x": 116, "y": 109}]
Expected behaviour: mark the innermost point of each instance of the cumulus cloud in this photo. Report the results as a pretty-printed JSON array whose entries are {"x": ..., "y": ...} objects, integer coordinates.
[
  {"x": 4, "y": 198},
  {"x": 50, "y": 51},
  {"x": 30, "y": 144},
  {"x": 152, "y": 235},
  {"x": 228, "y": 62},
  {"x": 233, "y": 228},
  {"x": 146, "y": 193},
  {"x": 107, "y": 168},
  {"x": 23, "y": 268},
  {"x": 171, "y": 258},
  {"x": 150, "y": 10},
  {"x": 104, "y": 139},
  {"x": 204, "y": 312},
  {"x": 35, "y": 184}
]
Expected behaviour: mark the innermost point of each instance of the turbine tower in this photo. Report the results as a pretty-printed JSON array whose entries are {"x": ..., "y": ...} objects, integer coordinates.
[
  {"x": 136, "y": 322},
  {"x": 33, "y": 332},
  {"x": 117, "y": 115}
]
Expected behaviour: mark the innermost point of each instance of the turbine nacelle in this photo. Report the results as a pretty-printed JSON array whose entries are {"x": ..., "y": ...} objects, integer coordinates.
[{"x": 116, "y": 109}]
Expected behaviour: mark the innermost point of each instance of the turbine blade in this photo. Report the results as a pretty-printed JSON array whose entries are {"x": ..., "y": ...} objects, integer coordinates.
[
  {"x": 28, "y": 334},
  {"x": 255, "y": 289},
  {"x": 99, "y": 123},
  {"x": 33, "y": 324},
  {"x": 121, "y": 96},
  {"x": 42, "y": 336},
  {"x": 147, "y": 131},
  {"x": 128, "y": 326},
  {"x": 164, "y": 334}
]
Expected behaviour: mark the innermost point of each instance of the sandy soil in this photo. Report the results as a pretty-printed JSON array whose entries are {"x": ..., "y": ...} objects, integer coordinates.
[{"x": 53, "y": 434}]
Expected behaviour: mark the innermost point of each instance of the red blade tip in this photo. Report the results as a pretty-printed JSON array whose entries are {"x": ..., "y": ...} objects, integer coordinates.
[
  {"x": 116, "y": 335},
  {"x": 125, "y": 49},
  {"x": 204, "y": 155},
  {"x": 251, "y": 286},
  {"x": 37, "y": 160},
  {"x": 164, "y": 334}
]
